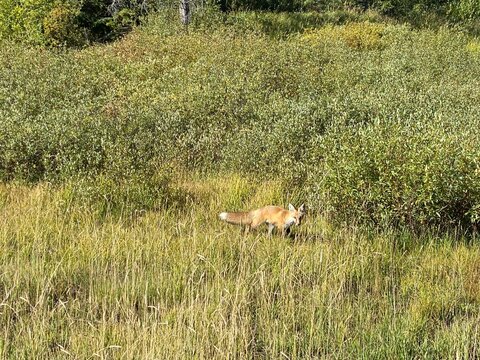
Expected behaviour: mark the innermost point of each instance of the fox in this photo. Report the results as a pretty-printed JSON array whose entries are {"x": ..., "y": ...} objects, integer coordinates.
[{"x": 273, "y": 216}]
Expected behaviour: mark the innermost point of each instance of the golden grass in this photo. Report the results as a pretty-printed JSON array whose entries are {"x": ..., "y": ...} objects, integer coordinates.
[{"x": 181, "y": 284}]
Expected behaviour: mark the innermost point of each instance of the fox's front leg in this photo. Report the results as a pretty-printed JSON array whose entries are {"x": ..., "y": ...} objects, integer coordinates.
[
  {"x": 286, "y": 231},
  {"x": 247, "y": 230},
  {"x": 270, "y": 229}
]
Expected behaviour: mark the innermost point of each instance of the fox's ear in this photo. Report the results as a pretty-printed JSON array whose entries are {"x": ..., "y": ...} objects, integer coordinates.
[
  {"x": 302, "y": 208},
  {"x": 291, "y": 207}
]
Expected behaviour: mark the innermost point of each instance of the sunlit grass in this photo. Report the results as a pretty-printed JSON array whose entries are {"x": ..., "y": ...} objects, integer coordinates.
[{"x": 178, "y": 283}]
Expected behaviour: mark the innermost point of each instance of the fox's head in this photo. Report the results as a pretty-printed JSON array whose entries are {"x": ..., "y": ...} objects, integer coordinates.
[{"x": 297, "y": 214}]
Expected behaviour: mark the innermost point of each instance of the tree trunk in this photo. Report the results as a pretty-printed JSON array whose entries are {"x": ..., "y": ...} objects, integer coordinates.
[{"x": 185, "y": 11}]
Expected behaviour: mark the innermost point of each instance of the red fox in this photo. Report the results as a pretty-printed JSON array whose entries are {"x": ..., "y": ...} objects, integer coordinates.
[{"x": 273, "y": 216}]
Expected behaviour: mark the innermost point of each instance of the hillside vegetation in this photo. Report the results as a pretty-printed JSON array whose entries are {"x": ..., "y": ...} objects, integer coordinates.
[
  {"x": 366, "y": 120},
  {"x": 77, "y": 23},
  {"x": 115, "y": 160}
]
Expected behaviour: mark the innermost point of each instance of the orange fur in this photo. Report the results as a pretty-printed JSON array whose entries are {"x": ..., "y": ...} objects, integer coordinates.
[{"x": 273, "y": 216}]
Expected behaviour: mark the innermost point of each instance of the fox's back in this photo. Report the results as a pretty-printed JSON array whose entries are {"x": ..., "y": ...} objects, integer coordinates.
[{"x": 272, "y": 214}]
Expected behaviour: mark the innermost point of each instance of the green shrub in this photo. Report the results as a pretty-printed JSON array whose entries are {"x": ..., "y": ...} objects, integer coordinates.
[
  {"x": 411, "y": 173},
  {"x": 285, "y": 23},
  {"x": 223, "y": 99},
  {"x": 68, "y": 22},
  {"x": 23, "y": 20},
  {"x": 361, "y": 36},
  {"x": 275, "y": 5},
  {"x": 60, "y": 27},
  {"x": 473, "y": 47},
  {"x": 464, "y": 10}
]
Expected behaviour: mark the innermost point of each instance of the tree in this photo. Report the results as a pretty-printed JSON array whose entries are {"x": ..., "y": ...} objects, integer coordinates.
[{"x": 185, "y": 12}]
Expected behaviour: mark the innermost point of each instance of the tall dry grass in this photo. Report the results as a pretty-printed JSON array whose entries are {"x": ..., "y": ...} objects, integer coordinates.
[{"x": 178, "y": 283}]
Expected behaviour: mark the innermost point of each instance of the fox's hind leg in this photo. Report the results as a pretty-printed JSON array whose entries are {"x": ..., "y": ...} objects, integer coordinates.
[
  {"x": 255, "y": 223},
  {"x": 246, "y": 230}
]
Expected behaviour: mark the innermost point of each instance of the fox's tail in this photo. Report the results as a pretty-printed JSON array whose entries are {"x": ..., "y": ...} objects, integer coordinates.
[{"x": 237, "y": 218}]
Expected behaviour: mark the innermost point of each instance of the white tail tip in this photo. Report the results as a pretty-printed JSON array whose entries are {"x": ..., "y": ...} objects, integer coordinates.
[{"x": 223, "y": 216}]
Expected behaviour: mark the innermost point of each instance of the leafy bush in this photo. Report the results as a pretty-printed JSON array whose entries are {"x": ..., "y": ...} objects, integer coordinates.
[
  {"x": 285, "y": 23},
  {"x": 276, "y": 5},
  {"x": 23, "y": 20},
  {"x": 473, "y": 47},
  {"x": 79, "y": 22},
  {"x": 464, "y": 10},
  {"x": 413, "y": 10},
  {"x": 409, "y": 173},
  {"x": 361, "y": 36},
  {"x": 60, "y": 27},
  {"x": 313, "y": 111},
  {"x": 72, "y": 22}
]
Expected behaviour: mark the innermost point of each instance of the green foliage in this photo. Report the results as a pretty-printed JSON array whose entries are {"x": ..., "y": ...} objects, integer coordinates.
[
  {"x": 285, "y": 23},
  {"x": 24, "y": 19},
  {"x": 352, "y": 117},
  {"x": 366, "y": 122},
  {"x": 360, "y": 36},
  {"x": 79, "y": 22},
  {"x": 68, "y": 22},
  {"x": 457, "y": 9},
  {"x": 465, "y": 10},
  {"x": 275, "y": 5},
  {"x": 60, "y": 27},
  {"x": 413, "y": 173},
  {"x": 50, "y": 22}
]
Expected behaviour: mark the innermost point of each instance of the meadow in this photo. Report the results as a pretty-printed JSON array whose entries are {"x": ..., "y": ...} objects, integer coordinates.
[
  {"x": 179, "y": 284},
  {"x": 115, "y": 160}
]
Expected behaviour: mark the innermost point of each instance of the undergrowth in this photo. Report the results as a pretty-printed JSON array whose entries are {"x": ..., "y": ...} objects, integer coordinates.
[{"x": 372, "y": 121}]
